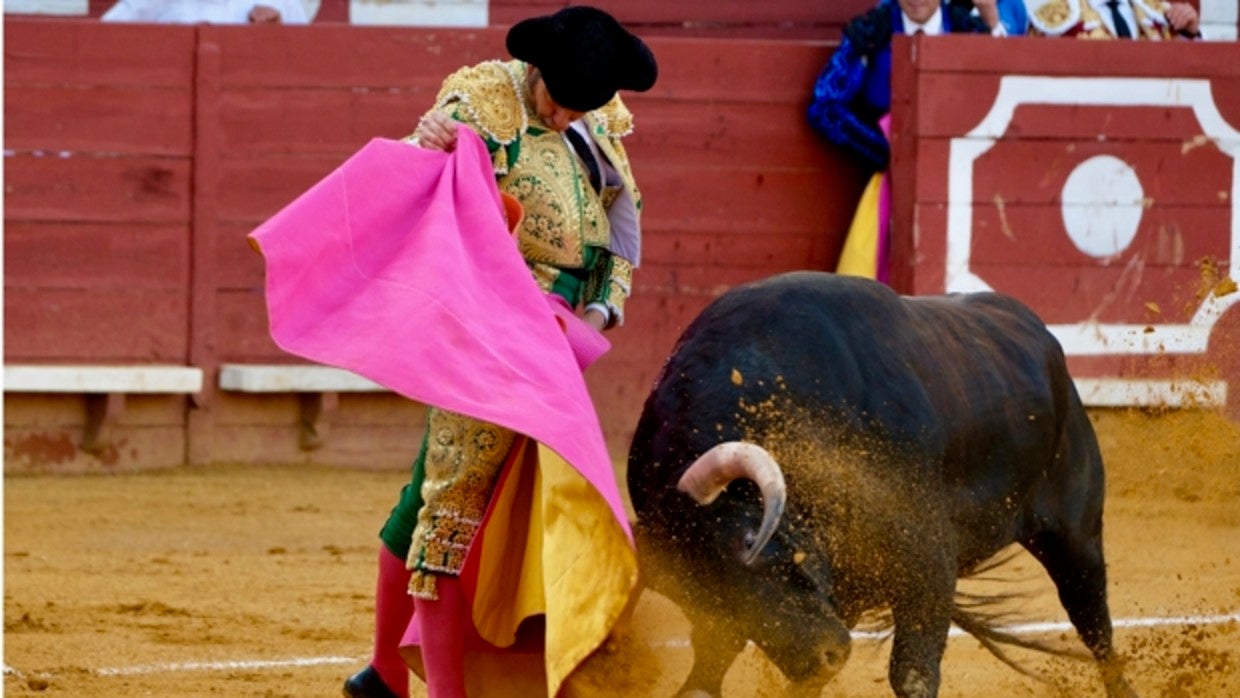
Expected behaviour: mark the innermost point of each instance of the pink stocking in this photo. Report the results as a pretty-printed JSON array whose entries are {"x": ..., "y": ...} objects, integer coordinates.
[
  {"x": 393, "y": 611},
  {"x": 443, "y": 623}
]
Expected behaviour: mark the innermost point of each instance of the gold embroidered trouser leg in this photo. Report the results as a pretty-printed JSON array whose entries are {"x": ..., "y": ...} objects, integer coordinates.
[{"x": 463, "y": 460}]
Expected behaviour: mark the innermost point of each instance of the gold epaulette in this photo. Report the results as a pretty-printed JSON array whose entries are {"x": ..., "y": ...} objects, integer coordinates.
[
  {"x": 615, "y": 118},
  {"x": 489, "y": 97},
  {"x": 1151, "y": 15}
]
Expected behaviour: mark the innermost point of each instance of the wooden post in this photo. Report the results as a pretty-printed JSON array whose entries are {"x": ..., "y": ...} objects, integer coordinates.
[
  {"x": 203, "y": 233},
  {"x": 315, "y": 418},
  {"x": 102, "y": 411}
]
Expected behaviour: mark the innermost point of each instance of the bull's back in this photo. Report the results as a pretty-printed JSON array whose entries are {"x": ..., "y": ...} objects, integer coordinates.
[{"x": 973, "y": 387}]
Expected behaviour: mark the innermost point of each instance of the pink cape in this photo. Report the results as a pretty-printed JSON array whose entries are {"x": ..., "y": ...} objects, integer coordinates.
[{"x": 398, "y": 266}]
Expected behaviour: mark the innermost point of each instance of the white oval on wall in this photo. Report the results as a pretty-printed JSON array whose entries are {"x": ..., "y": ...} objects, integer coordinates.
[{"x": 1102, "y": 202}]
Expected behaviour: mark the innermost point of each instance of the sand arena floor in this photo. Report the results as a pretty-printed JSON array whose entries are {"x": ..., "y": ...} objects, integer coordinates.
[{"x": 257, "y": 581}]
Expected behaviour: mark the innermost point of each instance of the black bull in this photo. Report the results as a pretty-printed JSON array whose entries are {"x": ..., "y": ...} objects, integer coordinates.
[{"x": 878, "y": 447}]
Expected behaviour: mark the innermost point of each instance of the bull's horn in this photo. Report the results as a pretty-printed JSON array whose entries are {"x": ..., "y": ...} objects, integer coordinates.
[{"x": 711, "y": 473}]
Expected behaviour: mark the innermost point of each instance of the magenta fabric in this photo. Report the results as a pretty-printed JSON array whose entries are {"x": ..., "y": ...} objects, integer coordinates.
[
  {"x": 883, "y": 258},
  {"x": 398, "y": 266}
]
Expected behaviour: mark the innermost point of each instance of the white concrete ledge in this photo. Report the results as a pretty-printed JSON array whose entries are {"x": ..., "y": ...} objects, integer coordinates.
[
  {"x": 29, "y": 378},
  {"x": 298, "y": 378},
  {"x": 1120, "y": 392},
  {"x": 419, "y": 13}
]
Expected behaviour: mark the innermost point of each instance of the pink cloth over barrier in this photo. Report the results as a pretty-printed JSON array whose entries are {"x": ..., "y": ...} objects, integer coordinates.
[
  {"x": 882, "y": 270},
  {"x": 398, "y": 266}
]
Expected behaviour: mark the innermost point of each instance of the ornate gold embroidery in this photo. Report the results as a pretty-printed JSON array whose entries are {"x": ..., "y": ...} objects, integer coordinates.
[
  {"x": 1151, "y": 18},
  {"x": 545, "y": 275},
  {"x": 490, "y": 97},
  {"x": 1054, "y": 14},
  {"x": 621, "y": 286},
  {"x": 463, "y": 461},
  {"x": 616, "y": 154},
  {"x": 614, "y": 119},
  {"x": 562, "y": 214}
]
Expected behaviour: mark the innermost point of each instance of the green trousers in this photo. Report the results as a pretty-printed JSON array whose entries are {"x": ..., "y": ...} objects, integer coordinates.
[{"x": 397, "y": 531}]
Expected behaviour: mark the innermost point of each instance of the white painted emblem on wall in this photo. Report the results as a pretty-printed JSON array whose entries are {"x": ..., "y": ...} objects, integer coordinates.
[{"x": 1100, "y": 184}]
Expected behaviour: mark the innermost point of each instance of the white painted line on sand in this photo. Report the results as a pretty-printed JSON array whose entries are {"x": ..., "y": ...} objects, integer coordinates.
[
  {"x": 261, "y": 664},
  {"x": 1065, "y": 626},
  {"x": 250, "y": 664},
  {"x": 1046, "y": 627}
]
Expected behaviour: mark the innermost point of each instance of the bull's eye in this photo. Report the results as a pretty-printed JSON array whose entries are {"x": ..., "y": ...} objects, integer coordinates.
[{"x": 750, "y": 538}]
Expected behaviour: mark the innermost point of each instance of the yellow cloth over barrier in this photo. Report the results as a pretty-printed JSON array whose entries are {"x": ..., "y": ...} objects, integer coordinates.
[{"x": 860, "y": 254}]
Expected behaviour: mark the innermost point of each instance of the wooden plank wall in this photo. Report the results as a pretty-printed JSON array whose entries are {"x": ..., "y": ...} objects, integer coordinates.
[
  {"x": 98, "y": 131},
  {"x": 774, "y": 19},
  {"x": 778, "y": 19},
  {"x": 139, "y": 157}
]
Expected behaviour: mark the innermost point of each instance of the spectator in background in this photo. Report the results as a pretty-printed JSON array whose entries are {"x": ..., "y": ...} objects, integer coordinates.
[
  {"x": 852, "y": 97},
  {"x": 1114, "y": 19},
  {"x": 210, "y": 11},
  {"x": 1012, "y": 15}
]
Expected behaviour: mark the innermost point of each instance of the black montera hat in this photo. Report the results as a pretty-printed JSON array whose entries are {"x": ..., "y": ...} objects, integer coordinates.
[{"x": 584, "y": 56}]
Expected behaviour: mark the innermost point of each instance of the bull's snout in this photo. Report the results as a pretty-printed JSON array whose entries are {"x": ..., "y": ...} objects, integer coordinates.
[
  {"x": 811, "y": 666},
  {"x": 832, "y": 656}
]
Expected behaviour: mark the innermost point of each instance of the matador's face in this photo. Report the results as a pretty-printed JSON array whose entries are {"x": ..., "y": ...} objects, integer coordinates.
[{"x": 552, "y": 114}]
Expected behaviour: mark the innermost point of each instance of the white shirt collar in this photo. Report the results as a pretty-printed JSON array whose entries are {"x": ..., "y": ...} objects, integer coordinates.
[{"x": 932, "y": 27}]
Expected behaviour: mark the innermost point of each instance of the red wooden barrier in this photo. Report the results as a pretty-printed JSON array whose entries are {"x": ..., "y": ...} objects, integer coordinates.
[
  {"x": 774, "y": 19},
  {"x": 1109, "y": 201},
  {"x": 139, "y": 157}
]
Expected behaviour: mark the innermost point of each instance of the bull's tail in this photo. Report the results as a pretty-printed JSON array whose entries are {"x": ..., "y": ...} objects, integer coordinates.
[
  {"x": 971, "y": 616},
  {"x": 979, "y": 616},
  {"x": 983, "y": 617}
]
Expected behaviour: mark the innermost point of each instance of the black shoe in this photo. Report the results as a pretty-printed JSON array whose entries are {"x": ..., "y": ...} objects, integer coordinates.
[{"x": 367, "y": 684}]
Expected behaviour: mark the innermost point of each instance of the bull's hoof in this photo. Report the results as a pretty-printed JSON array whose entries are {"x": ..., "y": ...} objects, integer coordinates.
[
  {"x": 1113, "y": 679},
  {"x": 804, "y": 690},
  {"x": 1120, "y": 688}
]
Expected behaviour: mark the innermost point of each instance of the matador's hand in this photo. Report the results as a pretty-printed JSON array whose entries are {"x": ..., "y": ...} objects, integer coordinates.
[
  {"x": 436, "y": 131},
  {"x": 595, "y": 318}
]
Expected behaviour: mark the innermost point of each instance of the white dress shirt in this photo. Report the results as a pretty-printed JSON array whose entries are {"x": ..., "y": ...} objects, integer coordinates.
[
  {"x": 932, "y": 26},
  {"x": 195, "y": 11}
]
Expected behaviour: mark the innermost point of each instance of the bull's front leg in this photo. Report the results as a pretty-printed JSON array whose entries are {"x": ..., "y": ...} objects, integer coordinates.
[
  {"x": 715, "y": 647},
  {"x": 922, "y": 613}
]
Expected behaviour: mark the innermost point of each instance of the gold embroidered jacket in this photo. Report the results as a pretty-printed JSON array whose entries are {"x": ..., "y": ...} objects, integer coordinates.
[
  {"x": 565, "y": 236},
  {"x": 1078, "y": 18}
]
